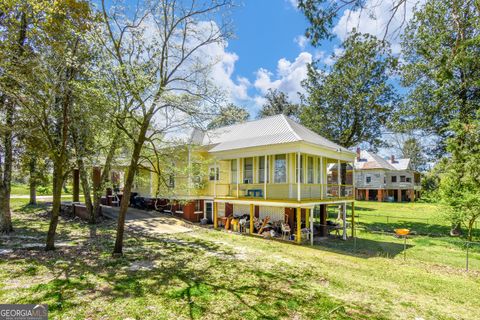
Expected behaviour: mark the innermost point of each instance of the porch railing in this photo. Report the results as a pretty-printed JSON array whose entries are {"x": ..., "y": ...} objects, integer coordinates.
[{"x": 285, "y": 191}]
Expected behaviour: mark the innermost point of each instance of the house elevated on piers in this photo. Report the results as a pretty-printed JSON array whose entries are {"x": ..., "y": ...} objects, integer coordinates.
[
  {"x": 379, "y": 179},
  {"x": 271, "y": 167}
]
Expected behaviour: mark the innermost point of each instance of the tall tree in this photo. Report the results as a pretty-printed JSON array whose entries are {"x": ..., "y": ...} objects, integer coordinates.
[
  {"x": 228, "y": 115},
  {"x": 161, "y": 74},
  {"x": 322, "y": 15},
  {"x": 13, "y": 38},
  {"x": 460, "y": 183},
  {"x": 413, "y": 150},
  {"x": 442, "y": 67},
  {"x": 278, "y": 103},
  {"x": 60, "y": 56},
  {"x": 352, "y": 101}
]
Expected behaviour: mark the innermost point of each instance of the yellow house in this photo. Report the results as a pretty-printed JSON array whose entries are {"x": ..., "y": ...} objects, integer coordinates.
[{"x": 272, "y": 167}]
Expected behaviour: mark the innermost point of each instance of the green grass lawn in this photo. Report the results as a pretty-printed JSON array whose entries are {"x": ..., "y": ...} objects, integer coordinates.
[
  {"x": 420, "y": 218},
  {"x": 215, "y": 275},
  {"x": 20, "y": 189}
]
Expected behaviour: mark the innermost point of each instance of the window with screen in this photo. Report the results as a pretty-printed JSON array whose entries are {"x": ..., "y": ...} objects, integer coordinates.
[
  {"x": 310, "y": 170},
  {"x": 233, "y": 170},
  {"x": 280, "y": 168},
  {"x": 248, "y": 170},
  {"x": 261, "y": 170}
]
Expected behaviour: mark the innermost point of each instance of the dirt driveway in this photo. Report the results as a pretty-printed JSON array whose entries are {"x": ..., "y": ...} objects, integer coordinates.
[{"x": 150, "y": 222}]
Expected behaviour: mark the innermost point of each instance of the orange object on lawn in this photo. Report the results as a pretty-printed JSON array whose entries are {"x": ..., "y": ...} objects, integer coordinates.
[{"x": 402, "y": 232}]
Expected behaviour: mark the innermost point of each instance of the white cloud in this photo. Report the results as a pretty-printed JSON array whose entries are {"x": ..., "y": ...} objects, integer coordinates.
[
  {"x": 293, "y": 3},
  {"x": 301, "y": 41},
  {"x": 332, "y": 58},
  {"x": 222, "y": 69},
  {"x": 374, "y": 18},
  {"x": 287, "y": 78}
]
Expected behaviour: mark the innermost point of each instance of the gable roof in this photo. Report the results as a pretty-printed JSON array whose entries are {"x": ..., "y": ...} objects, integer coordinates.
[
  {"x": 400, "y": 164},
  {"x": 370, "y": 160},
  {"x": 272, "y": 130}
]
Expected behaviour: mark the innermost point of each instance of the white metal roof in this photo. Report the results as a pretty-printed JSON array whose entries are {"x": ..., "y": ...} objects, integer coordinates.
[
  {"x": 370, "y": 160},
  {"x": 400, "y": 164},
  {"x": 272, "y": 130}
]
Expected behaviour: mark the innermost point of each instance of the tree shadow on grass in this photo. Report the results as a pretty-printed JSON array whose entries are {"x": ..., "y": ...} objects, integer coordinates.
[
  {"x": 31, "y": 208},
  {"x": 188, "y": 277}
]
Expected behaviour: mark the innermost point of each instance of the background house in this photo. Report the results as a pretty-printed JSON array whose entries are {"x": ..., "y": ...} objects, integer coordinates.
[{"x": 385, "y": 180}]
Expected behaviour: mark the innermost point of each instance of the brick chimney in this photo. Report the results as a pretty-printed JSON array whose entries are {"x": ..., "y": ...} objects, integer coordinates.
[
  {"x": 358, "y": 153},
  {"x": 392, "y": 158}
]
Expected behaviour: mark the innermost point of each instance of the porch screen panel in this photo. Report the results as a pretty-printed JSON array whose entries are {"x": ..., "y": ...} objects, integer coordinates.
[
  {"x": 241, "y": 209},
  {"x": 261, "y": 170},
  {"x": 221, "y": 209},
  {"x": 275, "y": 213},
  {"x": 248, "y": 170},
  {"x": 301, "y": 168},
  {"x": 309, "y": 170},
  {"x": 233, "y": 170},
  {"x": 280, "y": 168}
]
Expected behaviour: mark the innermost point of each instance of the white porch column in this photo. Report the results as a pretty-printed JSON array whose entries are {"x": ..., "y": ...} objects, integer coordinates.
[
  {"x": 322, "y": 186},
  {"x": 311, "y": 226},
  {"x": 238, "y": 175},
  {"x": 339, "y": 179},
  {"x": 344, "y": 214},
  {"x": 299, "y": 196},
  {"x": 265, "y": 171}
]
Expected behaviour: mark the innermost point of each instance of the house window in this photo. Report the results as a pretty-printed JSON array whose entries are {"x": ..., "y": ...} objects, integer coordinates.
[
  {"x": 309, "y": 170},
  {"x": 248, "y": 170},
  {"x": 171, "y": 180},
  {"x": 233, "y": 170},
  {"x": 319, "y": 171},
  {"x": 402, "y": 178},
  {"x": 214, "y": 174},
  {"x": 368, "y": 179},
  {"x": 301, "y": 169},
  {"x": 409, "y": 179},
  {"x": 198, "y": 205},
  {"x": 280, "y": 168},
  {"x": 394, "y": 178},
  {"x": 261, "y": 170},
  {"x": 196, "y": 173},
  {"x": 180, "y": 206}
]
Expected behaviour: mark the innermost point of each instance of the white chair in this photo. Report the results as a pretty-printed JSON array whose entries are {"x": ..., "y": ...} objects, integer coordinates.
[{"x": 286, "y": 230}]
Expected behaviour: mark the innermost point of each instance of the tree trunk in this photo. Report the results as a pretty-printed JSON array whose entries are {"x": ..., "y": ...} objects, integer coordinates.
[
  {"x": 57, "y": 197},
  {"x": 118, "y": 250},
  {"x": 6, "y": 172},
  {"x": 98, "y": 190},
  {"x": 470, "y": 229},
  {"x": 33, "y": 180},
  {"x": 86, "y": 190},
  {"x": 456, "y": 230}
]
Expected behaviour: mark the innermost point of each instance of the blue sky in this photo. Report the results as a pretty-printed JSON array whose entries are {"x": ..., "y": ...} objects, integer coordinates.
[
  {"x": 264, "y": 33},
  {"x": 270, "y": 51},
  {"x": 267, "y": 32}
]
